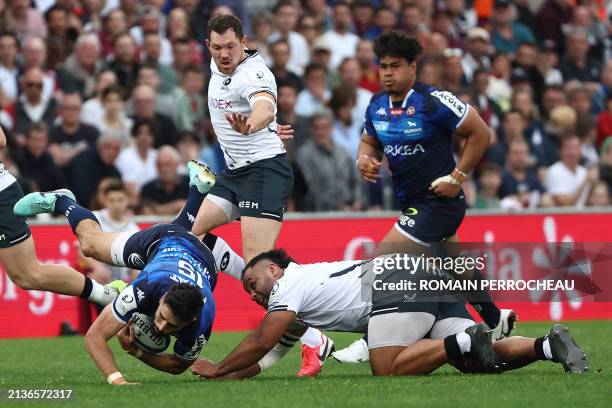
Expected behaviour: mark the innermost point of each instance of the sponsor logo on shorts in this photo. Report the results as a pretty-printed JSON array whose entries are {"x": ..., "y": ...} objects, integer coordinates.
[
  {"x": 127, "y": 298},
  {"x": 248, "y": 204},
  {"x": 224, "y": 261},
  {"x": 136, "y": 260},
  {"x": 411, "y": 211},
  {"x": 404, "y": 150},
  {"x": 406, "y": 221},
  {"x": 140, "y": 294},
  {"x": 2, "y": 237}
]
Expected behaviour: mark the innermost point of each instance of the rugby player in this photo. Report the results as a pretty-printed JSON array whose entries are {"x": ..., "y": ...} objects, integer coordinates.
[
  {"x": 412, "y": 124},
  {"x": 258, "y": 179},
  {"x": 179, "y": 273},
  {"x": 18, "y": 254},
  {"x": 410, "y": 332}
]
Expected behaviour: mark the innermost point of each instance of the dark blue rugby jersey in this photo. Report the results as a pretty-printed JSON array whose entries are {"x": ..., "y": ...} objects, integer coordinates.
[
  {"x": 176, "y": 260},
  {"x": 416, "y": 137}
]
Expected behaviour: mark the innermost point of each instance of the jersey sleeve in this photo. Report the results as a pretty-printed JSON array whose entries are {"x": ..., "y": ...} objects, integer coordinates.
[
  {"x": 368, "y": 123},
  {"x": 255, "y": 81},
  {"x": 450, "y": 111},
  {"x": 131, "y": 300},
  {"x": 190, "y": 350},
  {"x": 285, "y": 297}
]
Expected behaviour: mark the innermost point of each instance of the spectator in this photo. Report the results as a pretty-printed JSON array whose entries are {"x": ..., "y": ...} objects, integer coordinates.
[
  {"x": 550, "y": 20},
  {"x": 35, "y": 162},
  {"x": 316, "y": 94},
  {"x": 552, "y": 97},
  {"x": 499, "y": 88},
  {"x": 285, "y": 16},
  {"x": 513, "y": 128},
  {"x": 189, "y": 146},
  {"x": 477, "y": 55},
  {"x": 321, "y": 55},
  {"x": 604, "y": 121},
  {"x": 487, "y": 108},
  {"x": 346, "y": 132},
  {"x": 603, "y": 90},
  {"x": 93, "y": 107},
  {"x": 32, "y": 106},
  {"x": 526, "y": 59},
  {"x": 26, "y": 20},
  {"x": 149, "y": 75},
  {"x": 328, "y": 169},
  {"x": 189, "y": 103},
  {"x": 350, "y": 74},
  {"x": 385, "y": 20},
  {"x": 320, "y": 11},
  {"x": 136, "y": 163},
  {"x": 183, "y": 56},
  {"x": 114, "y": 24},
  {"x": 342, "y": 41},
  {"x": 464, "y": 19},
  {"x": 86, "y": 170},
  {"x": 309, "y": 28},
  {"x": 547, "y": 63},
  {"x": 507, "y": 33},
  {"x": 150, "y": 23},
  {"x": 370, "y": 79},
  {"x": 280, "y": 54},
  {"x": 34, "y": 56},
  {"x": 596, "y": 30},
  {"x": 599, "y": 196},
  {"x": 125, "y": 62},
  {"x": 115, "y": 216},
  {"x": 452, "y": 74},
  {"x": 576, "y": 63},
  {"x": 58, "y": 44},
  {"x": 579, "y": 98},
  {"x": 145, "y": 106},
  {"x": 518, "y": 183},
  {"x": 605, "y": 164},
  {"x": 412, "y": 20},
  {"x": 166, "y": 194},
  {"x": 488, "y": 185},
  {"x": 524, "y": 14},
  {"x": 287, "y": 98},
  {"x": 152, "y": 46},
  {"x": 8, "y": 66},
  {"x": 78, "y": 73},
  {"x": 113, "y": 120},
  {"x": 178, "y": 25},
  {"x": 567, "y": 181},
  {"x": 70, "y": 137},
  {"x": 430, "y": 72}
]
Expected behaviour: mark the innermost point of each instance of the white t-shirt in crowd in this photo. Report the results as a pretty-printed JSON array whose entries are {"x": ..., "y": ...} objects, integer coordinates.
[{"x": 561, "y": 180}]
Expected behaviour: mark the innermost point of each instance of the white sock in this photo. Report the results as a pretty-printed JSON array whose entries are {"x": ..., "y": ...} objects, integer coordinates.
[
  {"x": 228, "y": 261},
  {"x": 546, "y": 347},
  {"x": 100, "y": 294},
  {"x": 312, "y": 337},
  {"x": 465, "y": 344}
]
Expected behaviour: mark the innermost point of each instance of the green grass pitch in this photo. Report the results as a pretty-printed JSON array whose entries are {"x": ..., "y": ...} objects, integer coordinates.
[{"x": 62, "y": 363}]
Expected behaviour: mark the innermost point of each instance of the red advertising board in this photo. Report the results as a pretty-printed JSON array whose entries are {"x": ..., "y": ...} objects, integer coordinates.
[{"x": 27, "y": 314}]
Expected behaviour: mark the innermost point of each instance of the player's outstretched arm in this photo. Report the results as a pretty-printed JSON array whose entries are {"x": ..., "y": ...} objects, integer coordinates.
[
  {"x": 251, "y": 350},
  {"x": 2, "y": 138},
  {"x": 96, "y": 343},
  {"x": 262, "y": 114}
]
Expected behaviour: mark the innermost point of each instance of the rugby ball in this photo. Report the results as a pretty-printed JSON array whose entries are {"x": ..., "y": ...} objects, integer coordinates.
[{"x": 145, "y": 337}]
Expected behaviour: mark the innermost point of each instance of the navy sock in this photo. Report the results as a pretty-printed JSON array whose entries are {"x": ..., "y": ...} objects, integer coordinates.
[
  {"x": 74, "y": 212},
  {"x": 87, "y": 288},
  {"x": 482, "y": 302},
  {"x": 538, "y": 347},
  {"x": 451, "y": 346},
  {"x": 186, "y": 217}
]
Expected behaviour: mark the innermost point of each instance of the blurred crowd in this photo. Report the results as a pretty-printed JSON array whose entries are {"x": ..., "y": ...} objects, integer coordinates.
[{"x": 92, "y": 90}]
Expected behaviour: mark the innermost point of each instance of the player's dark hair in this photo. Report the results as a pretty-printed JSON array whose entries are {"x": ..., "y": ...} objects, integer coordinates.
[
  {"x": 397, "y": 44},
  {"x": 185, "y": 301},
  {"x": 278, "y": 256},
  {"x": 221, "y": 24}
]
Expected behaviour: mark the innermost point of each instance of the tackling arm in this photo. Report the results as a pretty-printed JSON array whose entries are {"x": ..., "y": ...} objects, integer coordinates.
[
  {"x": 369, "y": 158},
  {"x": 251, "y": 350}
]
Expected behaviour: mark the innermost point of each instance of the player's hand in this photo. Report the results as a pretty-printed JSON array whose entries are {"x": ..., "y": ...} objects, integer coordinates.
[
  {"x": 238, "y": 122},
  {"x": 122, "y": 381},
  {"x": 442, "y": 188},
  {"x": 369, "y": 168},
  {"x": 205, "y": 368},
  {"x": 126, "y": 337},
  {"x": 285, "y": 132}
]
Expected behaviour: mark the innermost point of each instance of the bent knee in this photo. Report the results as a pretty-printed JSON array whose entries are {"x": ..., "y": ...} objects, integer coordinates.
[{"x": 26, "y": 277}]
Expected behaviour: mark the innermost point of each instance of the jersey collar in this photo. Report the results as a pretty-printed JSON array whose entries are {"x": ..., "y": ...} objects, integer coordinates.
[{"x": 405, "y": 102}]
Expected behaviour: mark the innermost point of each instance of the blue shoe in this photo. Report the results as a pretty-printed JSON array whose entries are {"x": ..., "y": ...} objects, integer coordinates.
[
  {"x": 200, "y": 176},
  {"x": 39, "y": 202}
]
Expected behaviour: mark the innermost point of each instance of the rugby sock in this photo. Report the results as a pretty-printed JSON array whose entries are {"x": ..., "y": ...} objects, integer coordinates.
[
  {"x": 186, "y": 217},
  {"x": 483, "y": 304},
  {"x": 452, "y": 349},
  {"x": 228, "y": 261},
  {"x": 75, "y": 213},
  {"x": 97, "y": 293},
  {"x": 464, "y": 342},
  {"x": 312, "y": 337},
  {"x": 542, "y": 348}
]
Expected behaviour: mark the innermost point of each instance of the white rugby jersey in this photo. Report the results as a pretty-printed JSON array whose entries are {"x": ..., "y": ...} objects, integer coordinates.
[
  {"x": 6, "y": 178},
  {"x": 324, "y": 295},
  {"x": 232, "y": 93}
]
